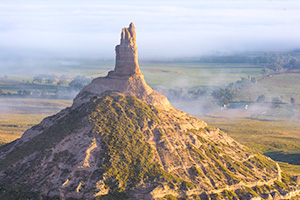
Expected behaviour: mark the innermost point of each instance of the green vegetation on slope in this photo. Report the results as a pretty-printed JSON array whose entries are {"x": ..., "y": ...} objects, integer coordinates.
[
  {"x": 127, "y": 158},
  {"x": 279, "y": 137}
]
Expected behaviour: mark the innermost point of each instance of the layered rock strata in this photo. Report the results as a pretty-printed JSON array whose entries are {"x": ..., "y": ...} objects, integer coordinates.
[{"x": 126, "y": 54}]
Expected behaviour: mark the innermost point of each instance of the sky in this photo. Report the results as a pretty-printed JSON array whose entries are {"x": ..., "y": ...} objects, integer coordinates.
[{"x": 165, "y": 29}]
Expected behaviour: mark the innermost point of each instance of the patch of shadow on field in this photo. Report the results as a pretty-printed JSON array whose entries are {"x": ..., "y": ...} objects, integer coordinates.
[{"x": 285, "y": 156}]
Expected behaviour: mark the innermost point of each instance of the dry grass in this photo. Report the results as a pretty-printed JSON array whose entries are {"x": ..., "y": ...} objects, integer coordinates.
[
  {"x": 17, "y": 115},
  {"x": 283, "y": 85},
  {"x": 281, "y": 135}
]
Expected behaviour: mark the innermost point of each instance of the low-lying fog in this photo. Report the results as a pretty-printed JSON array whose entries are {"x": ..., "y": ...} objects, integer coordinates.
[{"x": 166, "y": 28}]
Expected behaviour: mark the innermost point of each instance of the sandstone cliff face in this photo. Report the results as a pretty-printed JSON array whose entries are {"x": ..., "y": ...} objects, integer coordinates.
[
  {"x": 126, "y": 54},
  {"x": 123, "y": 140}
]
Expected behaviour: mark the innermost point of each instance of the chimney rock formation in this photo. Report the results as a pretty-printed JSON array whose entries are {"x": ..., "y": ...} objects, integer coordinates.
[
  {"x": 126, "y": 54},
  {"x": 126, "y": 78}
]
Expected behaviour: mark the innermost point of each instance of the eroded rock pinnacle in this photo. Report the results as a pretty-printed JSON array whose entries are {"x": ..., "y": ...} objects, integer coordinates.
[
  {"x": 126, "y": 78},
  {"x": 126, "y": 54}
]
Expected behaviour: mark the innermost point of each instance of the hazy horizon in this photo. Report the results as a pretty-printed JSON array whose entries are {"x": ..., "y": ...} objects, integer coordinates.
[{"x": 165, "y": 29}]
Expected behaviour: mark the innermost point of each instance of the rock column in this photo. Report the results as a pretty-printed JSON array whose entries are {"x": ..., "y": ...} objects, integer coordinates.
[{"x": 126, "y": 54}]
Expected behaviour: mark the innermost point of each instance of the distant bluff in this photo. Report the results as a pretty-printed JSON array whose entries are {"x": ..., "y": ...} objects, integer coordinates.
[{"x": 123, "y": 140}]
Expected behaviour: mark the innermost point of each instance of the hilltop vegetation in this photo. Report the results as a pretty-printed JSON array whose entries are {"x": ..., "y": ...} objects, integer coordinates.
[{"x": 136, "y": 148}]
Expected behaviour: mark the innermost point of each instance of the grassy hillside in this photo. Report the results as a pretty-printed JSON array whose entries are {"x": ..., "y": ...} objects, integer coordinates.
[
  {"x": 276, "y": 137},
  {"x": 284, "y": 85},
  {"x": 141, "y": 150}
]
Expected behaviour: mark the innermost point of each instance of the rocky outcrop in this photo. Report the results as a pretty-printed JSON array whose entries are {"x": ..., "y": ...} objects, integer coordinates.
[
  {"x": 126, "y": 78},
  {"x": 126, "y": 54}
]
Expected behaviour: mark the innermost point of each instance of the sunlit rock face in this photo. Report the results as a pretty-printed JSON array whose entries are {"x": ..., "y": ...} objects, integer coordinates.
[
  {"x": 126, "y": 54},
  {"x": 126, "y": 78}
]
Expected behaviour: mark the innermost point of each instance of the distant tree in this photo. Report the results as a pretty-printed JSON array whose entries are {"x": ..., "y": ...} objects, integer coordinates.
[
  {"x": 240, "y": 84},
  {"x": 23, "y": 93},
  {"x": 50, "y": 80},
  {"x": 293, "y": 100},
  {"x": 224, "y": 96},
  {"x": 293, "y": 63},
  {"x": 265, "y": 71},
  {"x": 253, "y": 80},
  {"x": 275, "y": 67},
  {"x": 276, "y": 101},
  {"x": 79, "y": 82},
  {"x": 197, "y": 93},
  {"x": 261, "y": 99},
  {"x": 26, "y": 92},
  {"x": 62, "y": 80},
  {"x": 38, "y": 78}
]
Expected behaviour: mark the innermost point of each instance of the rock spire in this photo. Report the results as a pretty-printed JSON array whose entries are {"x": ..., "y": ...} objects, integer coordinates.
[
  {"x": 126, "y": 54},
  {"x": 126, "y": 78}
]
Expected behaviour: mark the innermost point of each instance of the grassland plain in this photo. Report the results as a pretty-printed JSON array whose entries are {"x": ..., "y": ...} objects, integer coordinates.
[
  {"x": 284, "y": 85},
  {"x": 191, "y": 74}
]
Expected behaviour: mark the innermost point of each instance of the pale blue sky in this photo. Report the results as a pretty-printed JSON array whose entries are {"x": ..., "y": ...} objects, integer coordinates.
[{"x": 164, "y": 28}]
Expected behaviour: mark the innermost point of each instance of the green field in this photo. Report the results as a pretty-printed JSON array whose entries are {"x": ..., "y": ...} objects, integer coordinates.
[
  {"x": 274, "y": 132},
  {"x": 283, "y": 85},
  {"x": 189, "y": 74}
]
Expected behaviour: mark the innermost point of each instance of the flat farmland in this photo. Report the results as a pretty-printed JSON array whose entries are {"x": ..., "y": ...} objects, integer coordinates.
[{"x": 189, "y": 75}]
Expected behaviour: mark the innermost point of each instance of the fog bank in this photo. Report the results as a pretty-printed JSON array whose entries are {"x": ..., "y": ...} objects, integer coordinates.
[{"x": 164, "y": 28}]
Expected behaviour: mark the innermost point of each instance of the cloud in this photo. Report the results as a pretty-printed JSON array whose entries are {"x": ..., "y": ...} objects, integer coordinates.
[{"x": 164, "y": 28}]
